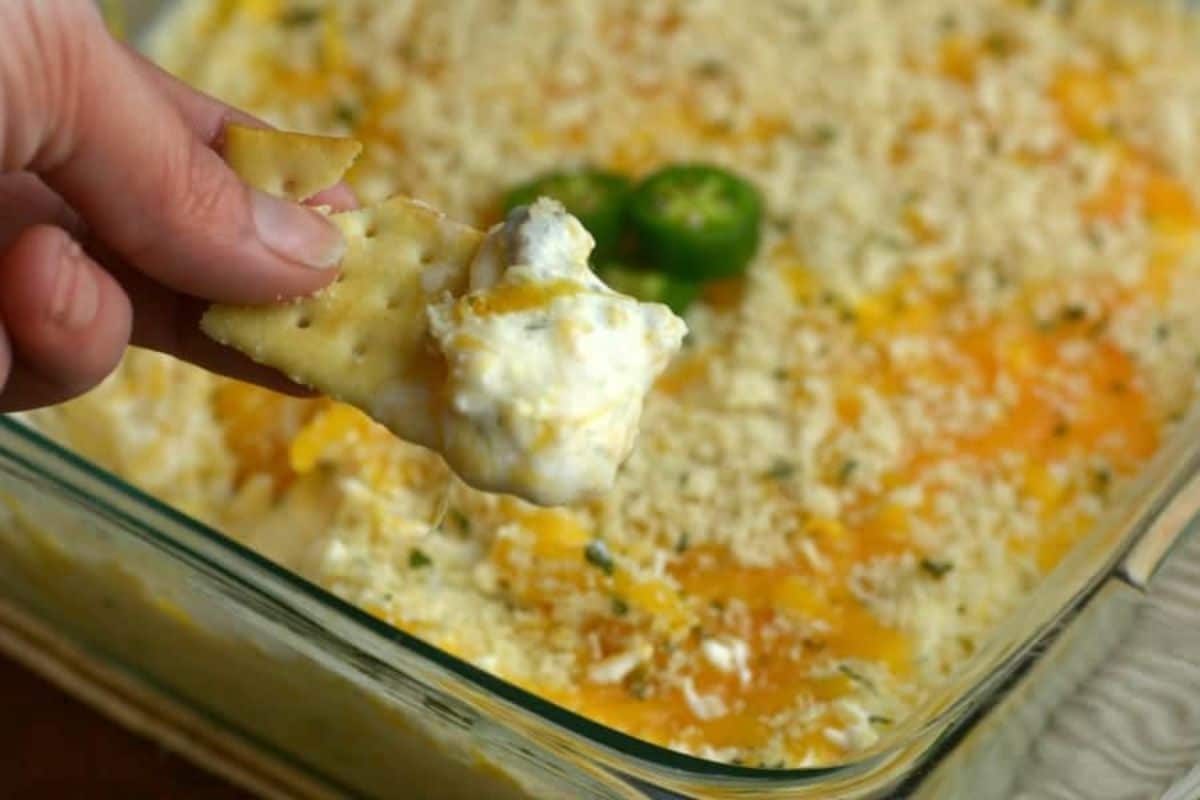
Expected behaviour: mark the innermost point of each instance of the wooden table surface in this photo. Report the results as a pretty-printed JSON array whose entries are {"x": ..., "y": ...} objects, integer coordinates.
[{"x": 55, "y": 747}]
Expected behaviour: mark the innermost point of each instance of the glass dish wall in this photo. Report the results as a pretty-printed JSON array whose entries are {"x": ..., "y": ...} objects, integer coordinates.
[{"x": 364, "y": 708}]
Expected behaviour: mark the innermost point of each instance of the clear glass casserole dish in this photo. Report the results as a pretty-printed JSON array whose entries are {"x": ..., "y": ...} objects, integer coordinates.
[
  {"x": 337, "y": 702},
  {"x": 342, "y": 703}
]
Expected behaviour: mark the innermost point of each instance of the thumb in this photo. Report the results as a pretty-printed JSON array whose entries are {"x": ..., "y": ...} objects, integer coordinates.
[{"x": 81, "y": 112}]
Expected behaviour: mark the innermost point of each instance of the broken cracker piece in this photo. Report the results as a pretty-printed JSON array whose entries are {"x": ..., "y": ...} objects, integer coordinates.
[{"x": 295, "y": 166}]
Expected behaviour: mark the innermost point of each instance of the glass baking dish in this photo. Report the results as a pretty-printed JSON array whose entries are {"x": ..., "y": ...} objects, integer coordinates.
[
  {"x": 334, "y": 702},
  {"x": 346, "y": 704}
]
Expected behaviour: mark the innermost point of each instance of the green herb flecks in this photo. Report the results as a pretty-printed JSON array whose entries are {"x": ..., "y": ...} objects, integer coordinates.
[
  {"x": 300, "y": 17},
  {"x": 459, "y": 521},
  {"x": 856, "y": 676},
  {"x": 936, "y": 569},
  {"x": 781, "y": 470},
  {"x": 347, "y": 113},
  {"x": 598, "y": 555}
]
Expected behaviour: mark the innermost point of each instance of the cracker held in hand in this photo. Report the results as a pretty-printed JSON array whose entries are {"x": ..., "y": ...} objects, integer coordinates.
[
  {"x": 505, "y": 353},
  {"x": 363, "y": 339}
]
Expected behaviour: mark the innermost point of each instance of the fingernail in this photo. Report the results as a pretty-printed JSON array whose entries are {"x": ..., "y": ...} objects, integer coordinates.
[
  {"x": 75, "y": 298},
  {"x": 297, "y": 233}
]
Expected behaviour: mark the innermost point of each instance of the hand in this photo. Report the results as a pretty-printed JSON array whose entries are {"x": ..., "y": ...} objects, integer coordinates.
[{"x": 118, "y": 218}]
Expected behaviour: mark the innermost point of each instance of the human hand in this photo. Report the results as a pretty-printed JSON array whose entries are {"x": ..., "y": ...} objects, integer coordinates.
[{"x": 119, "y": 221}]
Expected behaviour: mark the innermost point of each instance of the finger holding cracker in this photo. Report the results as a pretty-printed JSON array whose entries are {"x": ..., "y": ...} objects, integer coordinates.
[{"x": 503, "y": 352}]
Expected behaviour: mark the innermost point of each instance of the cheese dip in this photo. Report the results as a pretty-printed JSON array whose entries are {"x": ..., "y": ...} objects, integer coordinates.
[{"x": 547, "y": 366}]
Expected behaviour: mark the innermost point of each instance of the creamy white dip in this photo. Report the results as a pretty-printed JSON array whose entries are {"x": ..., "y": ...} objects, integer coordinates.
[{"x": 547, "y": 366}]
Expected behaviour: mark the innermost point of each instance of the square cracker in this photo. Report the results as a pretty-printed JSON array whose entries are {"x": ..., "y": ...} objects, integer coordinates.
[{"x": 364, "y": 338}]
